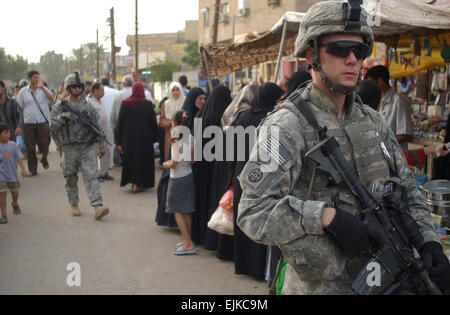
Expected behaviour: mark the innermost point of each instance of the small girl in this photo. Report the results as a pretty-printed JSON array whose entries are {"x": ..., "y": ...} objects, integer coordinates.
[{"x": 181, "y": 189}]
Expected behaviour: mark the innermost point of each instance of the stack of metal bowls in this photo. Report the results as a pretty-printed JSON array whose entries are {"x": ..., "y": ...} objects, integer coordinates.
[{"x": 437, "y": 197}]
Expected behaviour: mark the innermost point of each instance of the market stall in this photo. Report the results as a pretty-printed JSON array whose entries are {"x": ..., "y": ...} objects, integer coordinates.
[{"x": 225, "y": 58}]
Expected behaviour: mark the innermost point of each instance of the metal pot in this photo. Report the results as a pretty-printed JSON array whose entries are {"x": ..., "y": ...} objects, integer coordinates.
[{"x": 437, "y": 197}]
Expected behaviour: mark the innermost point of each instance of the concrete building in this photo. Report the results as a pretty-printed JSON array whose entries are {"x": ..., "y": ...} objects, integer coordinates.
[
  {"x": 162, "y": 46},
  {"x": 243, "y": 17},
  {"x": 154, "y": 47}
]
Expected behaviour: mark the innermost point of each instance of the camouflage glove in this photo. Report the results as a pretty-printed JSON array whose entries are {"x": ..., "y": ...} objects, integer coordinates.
[
  {"x": 66, "y": 116},
  {"x": 349, "y": 232},
  {"x": 437, "y": 264}
]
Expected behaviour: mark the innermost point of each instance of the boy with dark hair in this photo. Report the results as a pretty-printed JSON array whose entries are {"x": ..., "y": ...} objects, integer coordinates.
[{"x": 10, "y": 156}]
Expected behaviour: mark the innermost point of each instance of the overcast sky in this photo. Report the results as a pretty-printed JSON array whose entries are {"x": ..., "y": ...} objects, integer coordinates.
[{"x": 31, "y": 28}]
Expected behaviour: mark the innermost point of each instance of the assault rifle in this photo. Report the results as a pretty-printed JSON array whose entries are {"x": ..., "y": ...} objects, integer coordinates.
[
  {"x": 84, "y": 119},
  {"x": 395, "y": 231}
]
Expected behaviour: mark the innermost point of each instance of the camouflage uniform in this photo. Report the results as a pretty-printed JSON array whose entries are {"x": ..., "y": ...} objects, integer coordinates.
[
  {"x": 79, "y": 151},
  {"x": 284, "y": 207}
]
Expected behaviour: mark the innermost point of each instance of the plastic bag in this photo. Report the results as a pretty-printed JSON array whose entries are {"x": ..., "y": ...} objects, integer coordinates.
[
  {"x": 226, "y": 203},
  {"x": 21, "y": 144},
  {"x": 222, "y": 222}
]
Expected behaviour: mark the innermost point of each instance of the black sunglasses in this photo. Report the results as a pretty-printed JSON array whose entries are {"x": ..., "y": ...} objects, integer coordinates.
[
  {"x": 343, "y": 48},
  {"x": 78, "y": 86}
]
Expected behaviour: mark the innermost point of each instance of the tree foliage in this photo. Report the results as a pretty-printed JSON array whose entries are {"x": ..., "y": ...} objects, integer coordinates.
[
  {"x": 161, "y": 71},
  {"x": 12, "y": 68},
  {"x": 193, "y": 57},
  {"x": 52, "y": 68}
]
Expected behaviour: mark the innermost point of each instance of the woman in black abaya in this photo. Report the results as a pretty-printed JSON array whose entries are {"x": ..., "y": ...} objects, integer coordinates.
[
  {"x": 211, "y": 179},
  {"x": 250, "y": 257},
  {"x": 136, "y": 132},
  {"x": 194, "y": 102}
]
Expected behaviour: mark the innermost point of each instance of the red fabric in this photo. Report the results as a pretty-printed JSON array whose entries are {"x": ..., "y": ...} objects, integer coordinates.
[
  {"x": 137, "y": 95},
  {"x": 416, "y": 158}
]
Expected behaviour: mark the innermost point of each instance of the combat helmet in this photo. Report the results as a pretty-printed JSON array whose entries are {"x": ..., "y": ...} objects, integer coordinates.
[
  {"x": 332, "y": 17},
  {"x": 23, "y": 83},
  {"x": 73, "y": 79}
]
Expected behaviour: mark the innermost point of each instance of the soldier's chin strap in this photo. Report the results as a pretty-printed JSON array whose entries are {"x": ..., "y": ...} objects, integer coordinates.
[{"x": 334, "y": 87}]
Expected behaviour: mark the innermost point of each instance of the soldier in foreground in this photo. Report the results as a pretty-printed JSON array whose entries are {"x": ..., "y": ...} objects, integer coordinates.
[
  {"x": 317, "y": 223},
  {"x": 78, "y": 136}
]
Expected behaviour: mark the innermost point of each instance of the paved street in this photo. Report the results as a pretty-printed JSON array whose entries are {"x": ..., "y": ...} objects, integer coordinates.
[{"x": 126, "y": 253}]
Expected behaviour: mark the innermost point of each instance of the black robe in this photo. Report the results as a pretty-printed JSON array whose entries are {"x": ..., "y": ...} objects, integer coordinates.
[
  {"x": 162, "y": 217},
  {"x": 136, "y": 132},
  {"x": 211, "y": 179},
  {"x": 250, "y": 258}
]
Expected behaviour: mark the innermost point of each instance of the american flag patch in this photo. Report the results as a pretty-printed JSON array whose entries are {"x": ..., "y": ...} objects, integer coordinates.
[{"x": 276, "y": 151}]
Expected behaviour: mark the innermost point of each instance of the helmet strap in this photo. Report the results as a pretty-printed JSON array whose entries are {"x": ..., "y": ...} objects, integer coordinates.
[{"x": 75, "y": 95}]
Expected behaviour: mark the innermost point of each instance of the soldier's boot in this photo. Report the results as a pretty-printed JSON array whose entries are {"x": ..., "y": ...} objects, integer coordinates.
[
  {"x": 75, "y": 211},
  {"x": 100, "y": 212}
]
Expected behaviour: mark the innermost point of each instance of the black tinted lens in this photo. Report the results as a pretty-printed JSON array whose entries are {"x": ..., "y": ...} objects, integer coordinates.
[{"x": 343, "y": 49}]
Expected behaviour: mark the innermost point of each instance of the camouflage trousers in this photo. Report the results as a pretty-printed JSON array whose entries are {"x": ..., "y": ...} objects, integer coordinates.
[{"x": 78, "y": 157}]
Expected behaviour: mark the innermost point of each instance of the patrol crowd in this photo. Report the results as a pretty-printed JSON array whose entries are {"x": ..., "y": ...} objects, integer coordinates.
[{"x": 296, "y": 219}]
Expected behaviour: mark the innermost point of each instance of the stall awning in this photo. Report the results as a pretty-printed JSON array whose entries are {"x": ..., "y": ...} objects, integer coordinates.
[
  {"x": 393, "y": 20},
  {"x": 227, "y": 58}
]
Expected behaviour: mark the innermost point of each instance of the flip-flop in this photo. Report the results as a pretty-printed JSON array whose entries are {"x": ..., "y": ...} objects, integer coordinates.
[{"x": 181, "y": 252}]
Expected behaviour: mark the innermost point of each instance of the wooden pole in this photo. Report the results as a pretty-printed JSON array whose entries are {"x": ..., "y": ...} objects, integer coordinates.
[
  {"x": 113, "y": 47},
  {"x": 205, "y": 61},
  {"x": 216, "y": 22},
  {"x": 98, "y": 59},
  {"x": 137, "y": 43}
]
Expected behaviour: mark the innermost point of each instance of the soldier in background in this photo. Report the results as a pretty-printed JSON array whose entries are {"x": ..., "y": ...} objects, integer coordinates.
[
  {"x": 79, "y": 145},
  {"x": 316, "y": 223}
]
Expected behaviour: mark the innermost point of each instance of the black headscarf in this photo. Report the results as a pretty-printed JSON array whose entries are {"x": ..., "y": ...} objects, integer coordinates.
[
  {"x": 370, "y": 93},
  {"x": 214, "y": 108},
  {"x": 189, "y": 105},
  {"x": 297, "y": 79},
  {"x": 266, "y": 97}
]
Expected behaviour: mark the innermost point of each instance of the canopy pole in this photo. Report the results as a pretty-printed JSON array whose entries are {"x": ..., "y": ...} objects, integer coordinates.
[
  {"x": 205, "y": 60},
  {"x": 280, "y": 54}
]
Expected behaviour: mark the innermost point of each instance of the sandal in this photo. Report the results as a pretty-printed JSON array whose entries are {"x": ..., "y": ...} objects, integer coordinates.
[
  {"x": 136, "y": 189},
  {"x": 4, "y": 220},
  {"x": 16, "y": 209},
  {"x": 45, "y": 165}
]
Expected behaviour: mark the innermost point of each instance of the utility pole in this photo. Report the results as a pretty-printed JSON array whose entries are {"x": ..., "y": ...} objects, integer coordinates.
[
  {"x": 98, "y": 58},
  {"x": 113, "y": 46},
  {"x": 81, "y": 60},
  {"x": 216, "y": 22},
  {"x": 137, "y": 43}
]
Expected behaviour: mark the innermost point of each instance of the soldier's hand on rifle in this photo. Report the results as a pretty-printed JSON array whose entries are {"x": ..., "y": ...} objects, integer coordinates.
[
  {"x": 349, "y": 232},
  {"x": 437, "y": 264},
  {"x": 68, "y": 116}
]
